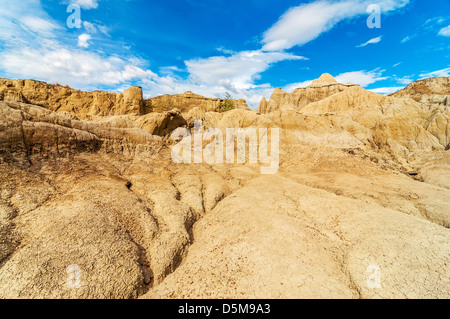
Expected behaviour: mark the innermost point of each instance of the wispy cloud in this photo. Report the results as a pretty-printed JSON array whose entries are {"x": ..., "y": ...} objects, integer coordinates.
[
  {"x": 39, "y": 25},
  {"x": 404, "y": 80},
  {"x": 291, "y": 87},
  {"x": 437, "y": 24},
  {"x": 407, "y": 38},
  {"x": 170, "y": 69},
  {"x": 363, "y": 78},
  {"x": 445, "y": 31},
  {"x": 304, "y": 23},
  {"x": 438, "y": 73},
  {"x": 434, "y": 21},
  {"x": 238, "y": 71},
  {"x": 387, "y": 90},
  {"x": 95, "y": 27},
  {"x": 226, "y": 51},
  {"x": 371, "y": 41},
  {"x": 85, "y": 4}
]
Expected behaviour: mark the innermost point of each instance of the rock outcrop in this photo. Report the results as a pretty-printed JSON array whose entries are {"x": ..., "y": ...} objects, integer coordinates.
[
  {"x": 428, "y": 91},
  {"x": 59, "y": 98},
  {"x": 262, "y": 109},
  {"x": 187, "y": 101},
  {"x": 29, "y": 130},
  {"x": 85, "y": 105},
  {"x": 319, "y": 89}
]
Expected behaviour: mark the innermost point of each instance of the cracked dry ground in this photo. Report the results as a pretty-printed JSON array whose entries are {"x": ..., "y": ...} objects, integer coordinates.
[{"x": 138, "y": 225}]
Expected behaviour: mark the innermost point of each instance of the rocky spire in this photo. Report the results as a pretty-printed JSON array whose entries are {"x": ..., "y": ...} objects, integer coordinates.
[{"x": 263, "y": 106}]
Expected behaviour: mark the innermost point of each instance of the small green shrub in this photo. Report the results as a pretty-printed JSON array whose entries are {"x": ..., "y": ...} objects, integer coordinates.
[{"x": 227, "y": 104}]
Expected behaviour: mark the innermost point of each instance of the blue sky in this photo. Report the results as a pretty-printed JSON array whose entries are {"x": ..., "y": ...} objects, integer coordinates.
[{"x": 245, "y": 47}]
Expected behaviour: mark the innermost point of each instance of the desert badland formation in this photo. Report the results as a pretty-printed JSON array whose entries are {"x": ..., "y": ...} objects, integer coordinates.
[{"x": 87, "y": 179}]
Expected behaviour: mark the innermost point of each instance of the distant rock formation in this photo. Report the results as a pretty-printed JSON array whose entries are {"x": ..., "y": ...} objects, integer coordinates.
[
  {"x": 187, "y": 101},
  {"x": 319, "y": 89},
  {"x": 262, "y": 106},
  {"x": 60, "y": 99},
  {"x": 428, "y": 91}
]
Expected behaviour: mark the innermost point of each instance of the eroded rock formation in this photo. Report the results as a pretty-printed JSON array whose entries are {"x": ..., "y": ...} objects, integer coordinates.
[
  {"x": 363, "y": 182},
  {"x": 428, "y": 91},
  {"x": 187, "y": 101},
  {"x": 319, "y": 89},
  {"x": 85, "y": 105}
]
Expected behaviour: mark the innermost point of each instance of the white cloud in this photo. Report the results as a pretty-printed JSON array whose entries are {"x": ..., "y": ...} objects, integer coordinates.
[
  {"x": 387, "y": 90},
  {"x": 435, "y": 20},
  {"x": 76, "y": 68},
  {"x": 405, "y": 80},
  {"x": 362, "y": 78},
  {"x": 445, "y": 31},
  {"x": 407, "y": 38},
  {"x": 39, "y": 25},
  {"x": 438, "y": 73},
  {"x": 89, "y": 27},
  {"x": 304, "y": 23},
  {"x": 225, "y": 51},
  {"x": 291, "y": 87},
  {"x": 94, "y": 27},
  {"x": 371, "y": 41},
  {"x": 83, "y": 40},
  {"x": 213, "y": 76},
  {"x": 86, "y": 4},
  {"x": 36, "y": 47},
  {"x": 235, "y": 72},
  {"x": 170, "y": 69},
  {"x": 22, "y": 20}
]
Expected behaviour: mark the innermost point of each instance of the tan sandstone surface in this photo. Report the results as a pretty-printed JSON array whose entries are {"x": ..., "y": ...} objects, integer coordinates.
[{"x": 363, "y": 184}]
